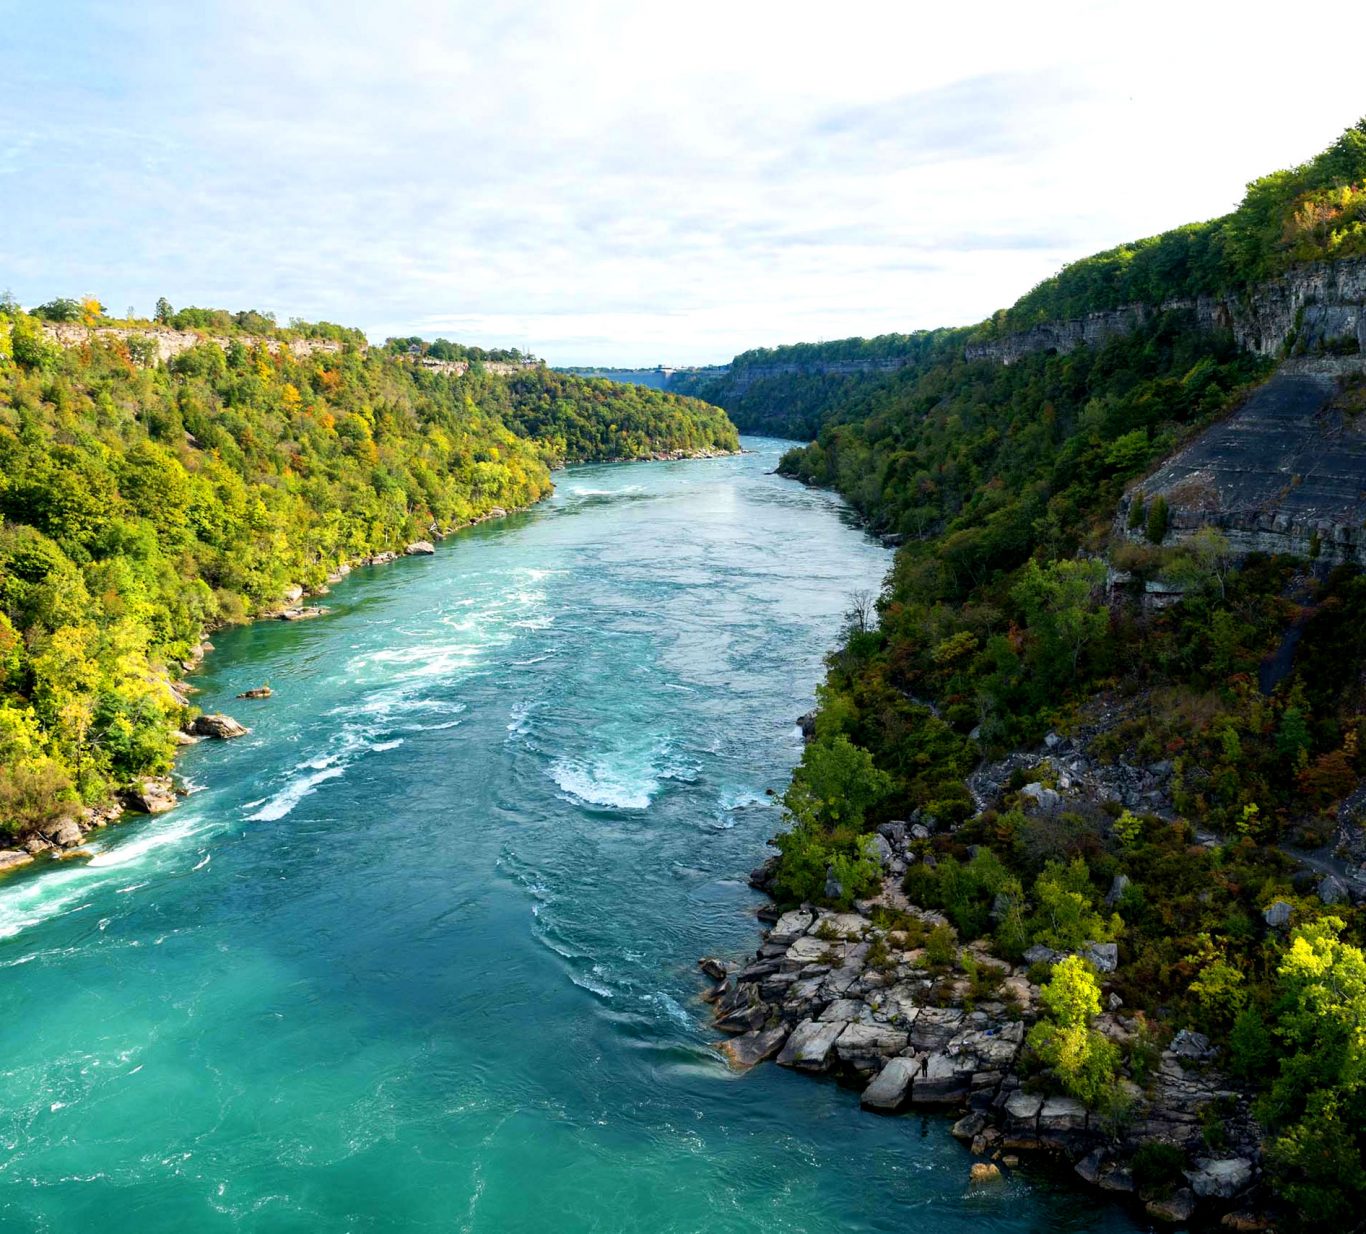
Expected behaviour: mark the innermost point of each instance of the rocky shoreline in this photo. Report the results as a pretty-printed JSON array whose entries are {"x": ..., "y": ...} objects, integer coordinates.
[{"x": 885, "y": 1000}]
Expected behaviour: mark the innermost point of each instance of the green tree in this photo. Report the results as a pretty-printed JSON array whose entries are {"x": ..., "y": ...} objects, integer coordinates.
[
  {"x": 1156, "y": 528},
  {"x": 1085, "y": 1062}
]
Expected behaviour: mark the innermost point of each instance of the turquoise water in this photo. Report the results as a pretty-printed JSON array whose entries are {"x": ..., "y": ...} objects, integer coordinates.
[{"x": 418, "y": 953}]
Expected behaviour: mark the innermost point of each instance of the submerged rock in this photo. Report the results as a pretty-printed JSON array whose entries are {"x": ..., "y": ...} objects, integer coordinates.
[{"x": 256, "y": 692}]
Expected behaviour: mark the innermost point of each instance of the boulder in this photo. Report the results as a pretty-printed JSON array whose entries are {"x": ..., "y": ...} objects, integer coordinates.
[
  {"x": 811, "y": 1045},
  {"x": 1332, "y": 890},
  {"x": 256, "y": 692},
  {"x": 1277, "y": 915},
  {"x": 1191, "y": 1045},
  {"x": 834, "y": 889},
  {"x": 1220, "y": 1178},
  {"x": 1088, "y": 1168},
  {"x": 1060, "y": 1115},
  {"x": 1039, "y": 954},
  {"x": 1022, "y": 1108},
  {"x": 1116, "y": 1178},
  {"x": 791, "y": 925},
  {"x": 1175, "y": 1210},
  {"x": 864, "y": 1046},
  {"x": 13, "y": 858},
  {"x": 1041, "y": 799},
  {"x": 420, "y": 548},
  {"x": 66, "y": 833},
  {"x": 293, "y": 594},
  {"x": 894, "y": 833},
  {"x": 1103, "y": 957},
  {"x": 919, "y": 831},
  {"x": 969, "y": 1127},
  {"x": 883, "y": 849},
  {"x": 752, "y": 1048},
  {"x": 984, "y": 1172},
  {"x": 150, "y": 795},
  {"x": 713, "y": 967},
  {"x": 745, "y": 1018},
  {"x": 890, "y": 1086},
  {"x": 36, "y": 844},
  {"x": 219, "y": 726},
  {"x": 1118, "y": 886}
]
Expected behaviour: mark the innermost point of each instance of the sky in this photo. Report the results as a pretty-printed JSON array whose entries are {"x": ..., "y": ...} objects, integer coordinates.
[{"x": 634, "y": 183}]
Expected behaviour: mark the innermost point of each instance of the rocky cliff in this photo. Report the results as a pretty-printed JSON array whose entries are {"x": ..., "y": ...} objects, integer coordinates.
[
  {"x": 1313, "y": 309},
  {"x": 170, "y": 343}
]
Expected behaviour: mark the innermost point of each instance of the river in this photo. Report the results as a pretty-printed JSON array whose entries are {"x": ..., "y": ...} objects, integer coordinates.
[{"x": 419, "y": 953}]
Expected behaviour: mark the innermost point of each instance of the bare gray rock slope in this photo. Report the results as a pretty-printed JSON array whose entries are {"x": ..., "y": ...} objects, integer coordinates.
[{"x": 1285, "y": 473}]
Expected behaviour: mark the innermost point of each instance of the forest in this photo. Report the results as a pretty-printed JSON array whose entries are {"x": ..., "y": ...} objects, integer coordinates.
[
  {"x": 144, "y": 504},
  {"x": 1012, "y": 614}
]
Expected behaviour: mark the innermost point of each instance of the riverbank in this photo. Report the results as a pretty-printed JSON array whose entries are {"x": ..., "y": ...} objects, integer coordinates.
[
  {"x": 885, "y": 1000},
  {"x": 64, "y": 838}
]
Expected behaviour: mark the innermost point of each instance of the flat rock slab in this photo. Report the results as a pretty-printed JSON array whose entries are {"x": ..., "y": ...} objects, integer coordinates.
[
  {"x": 890, "y": 1086},
  {"x": 811, "y": 1044},
  {"x": 745, "y": 1052}
]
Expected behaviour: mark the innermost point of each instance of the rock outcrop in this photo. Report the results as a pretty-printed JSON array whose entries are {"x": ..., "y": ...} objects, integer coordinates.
[
  {"x": 164, "y": 343},
  {"x": 856, "y": 996},
  {"x": 1314, "y": 308}
]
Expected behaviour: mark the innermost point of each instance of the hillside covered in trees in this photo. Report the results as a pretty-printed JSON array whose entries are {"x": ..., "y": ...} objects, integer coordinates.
[
  {"x": 144, "y": 503},
  {"x": 1204, "y": 716}
]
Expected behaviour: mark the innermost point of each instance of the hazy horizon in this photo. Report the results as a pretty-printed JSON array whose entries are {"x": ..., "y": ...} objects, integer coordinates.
[{"x": 621, "y": 186}]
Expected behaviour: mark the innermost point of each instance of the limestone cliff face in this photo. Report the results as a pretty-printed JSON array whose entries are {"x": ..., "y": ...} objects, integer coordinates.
[
  {"x": 1307, "y": 310},
  {"x": 167, "y": 342}
]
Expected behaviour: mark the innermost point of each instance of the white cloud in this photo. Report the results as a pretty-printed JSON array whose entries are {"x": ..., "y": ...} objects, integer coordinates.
[{"x": 631, "y": 182}]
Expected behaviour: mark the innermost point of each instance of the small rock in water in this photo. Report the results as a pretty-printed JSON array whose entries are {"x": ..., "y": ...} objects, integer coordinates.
[
  {"x": 420, "y": 548},
  {"x": 256, "y": 692},
  {"x": 218, "y": 725},
  {"x": 984, "y": 1172},
  {"x": 713, "y": 967}
]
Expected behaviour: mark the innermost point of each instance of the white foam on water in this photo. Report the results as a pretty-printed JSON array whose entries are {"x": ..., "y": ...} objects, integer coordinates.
[
  {"x": 628, "y": 490},
  {"x": 598, "y": 783},
  {"x": 176, "y": 829},
  {"x": 294, "y": 792},
  {"x": 380, "y": 746}
]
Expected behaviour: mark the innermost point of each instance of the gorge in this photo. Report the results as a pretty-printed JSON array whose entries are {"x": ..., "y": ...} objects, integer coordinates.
[{"x": 453, "y": 885}]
